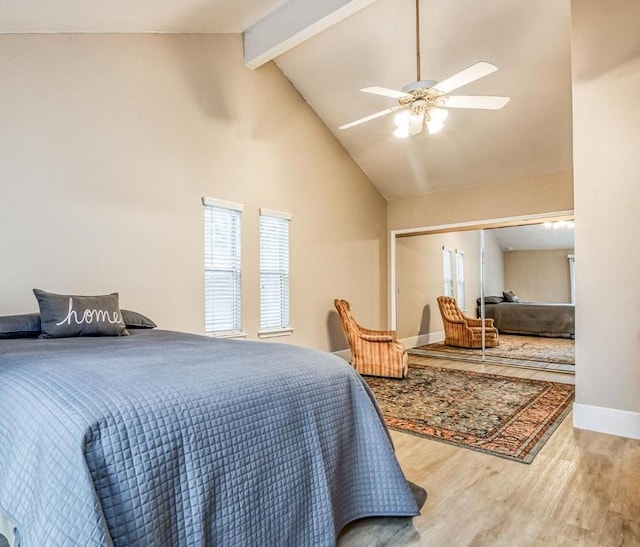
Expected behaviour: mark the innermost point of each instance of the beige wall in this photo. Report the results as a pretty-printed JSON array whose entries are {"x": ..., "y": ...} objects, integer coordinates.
[
  {"x": 493, "y": 265},
  {"x": 541, "y": 194},
  {"x": 538, "y": 276},
  {"x": 108, "y": 142},
  {"x": 606, "y": 119},
  {"x": 420, "y": 279}
]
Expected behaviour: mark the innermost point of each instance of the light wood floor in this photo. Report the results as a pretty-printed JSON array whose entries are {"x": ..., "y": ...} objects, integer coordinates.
[{"x": 582, "y": 489}]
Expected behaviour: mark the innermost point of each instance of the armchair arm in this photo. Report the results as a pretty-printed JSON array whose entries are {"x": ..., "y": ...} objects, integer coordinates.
[
  {"x": 380, "y": 332},
  {"x": 478, "y": 322},
  {"x": 456, "y": 321},
  {"x": 377, "y": 337},
  {"x": 372, "y": 332}
]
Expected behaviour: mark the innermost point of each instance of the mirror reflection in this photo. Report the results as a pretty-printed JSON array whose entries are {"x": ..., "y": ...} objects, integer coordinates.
[
  {"x": 528, "y": 288},
  {"x": 537, "y": 274}
]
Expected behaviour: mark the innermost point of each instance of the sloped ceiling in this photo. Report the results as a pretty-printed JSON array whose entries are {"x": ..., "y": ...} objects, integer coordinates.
[
  {"x": 375, "y": 45},
  {"x": 118, "y": 16},
  {"x": 528, "y": 41}
]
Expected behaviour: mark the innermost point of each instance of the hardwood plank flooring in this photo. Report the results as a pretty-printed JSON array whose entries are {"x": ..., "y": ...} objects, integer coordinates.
[{"x": 582, "y": 489}]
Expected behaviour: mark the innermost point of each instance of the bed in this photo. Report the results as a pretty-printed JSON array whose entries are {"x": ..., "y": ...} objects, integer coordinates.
[
  {"x": 166, "y": 438},
  {"x": 543, "y": 319}
]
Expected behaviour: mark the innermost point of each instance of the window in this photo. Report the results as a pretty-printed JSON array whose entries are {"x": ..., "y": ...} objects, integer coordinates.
[
  {"x": 447, "y": 270},
  {"x": 453, "y": 275},
  {"x": 222, "y": 267},
  {"x": 274, "y": 273},
  {"x": 460, "y": 290}
]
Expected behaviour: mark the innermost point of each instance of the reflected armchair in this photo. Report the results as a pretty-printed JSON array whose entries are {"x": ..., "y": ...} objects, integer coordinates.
[
  {"x": 373, "y": 352},
  {"x": 463, "y": 331}
]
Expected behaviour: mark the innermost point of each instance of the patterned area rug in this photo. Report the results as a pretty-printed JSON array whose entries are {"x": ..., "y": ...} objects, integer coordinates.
[
  {"x": 534, "y": 351},
  {"x": 507, "y": 417}
]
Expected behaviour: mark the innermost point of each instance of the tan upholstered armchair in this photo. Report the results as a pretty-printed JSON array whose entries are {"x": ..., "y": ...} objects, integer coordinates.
[
  {"x": 463, "y": 331},
  {"x": 373, "y": 352}
]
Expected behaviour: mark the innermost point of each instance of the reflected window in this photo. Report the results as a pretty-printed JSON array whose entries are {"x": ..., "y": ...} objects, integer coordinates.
[
  {"x": 460, "y": 289},
  {"x": 453, "y": 275},
  {"x": 447, "y": 270}
]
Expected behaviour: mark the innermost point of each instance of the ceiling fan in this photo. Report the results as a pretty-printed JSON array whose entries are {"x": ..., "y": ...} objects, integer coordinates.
[{"x": 427, "y": 100}]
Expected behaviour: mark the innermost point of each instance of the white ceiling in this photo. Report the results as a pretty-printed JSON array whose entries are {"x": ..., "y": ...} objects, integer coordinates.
[
  {"x": 528, "y": 41},
  {"x": 208, "y": 16}
]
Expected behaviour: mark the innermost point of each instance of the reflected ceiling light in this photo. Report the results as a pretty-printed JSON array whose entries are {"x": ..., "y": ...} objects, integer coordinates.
[{"x": 556, "y": 225}]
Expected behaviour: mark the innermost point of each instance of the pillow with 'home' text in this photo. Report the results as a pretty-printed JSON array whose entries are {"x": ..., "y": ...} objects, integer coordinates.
[{"x": 63, "y": 315}]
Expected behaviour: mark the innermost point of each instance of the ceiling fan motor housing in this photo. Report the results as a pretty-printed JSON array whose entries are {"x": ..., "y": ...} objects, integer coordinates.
[
  {"x": 421, "y": 96},
  {"x": 420, "y": 84}
]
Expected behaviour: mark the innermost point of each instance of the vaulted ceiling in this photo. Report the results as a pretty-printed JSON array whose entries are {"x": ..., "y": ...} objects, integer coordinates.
[
  {"x": 331, "y": 49},
  {"x": 528, "y": 41}
]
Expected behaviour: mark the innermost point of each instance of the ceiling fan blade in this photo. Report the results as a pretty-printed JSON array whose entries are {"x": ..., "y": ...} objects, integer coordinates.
[
  {"x": 468, "y": 75},
  {"x": 385, "y": 92},
  {"x": 416, "y": 124},
  {"x": 484, "y": 102},
  {"x": 370, "y": 117}
]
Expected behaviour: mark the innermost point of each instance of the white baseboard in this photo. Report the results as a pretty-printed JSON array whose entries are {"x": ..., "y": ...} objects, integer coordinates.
[
  {"x": 621, "y": 423},
  {"x": 422, "y": 339}
]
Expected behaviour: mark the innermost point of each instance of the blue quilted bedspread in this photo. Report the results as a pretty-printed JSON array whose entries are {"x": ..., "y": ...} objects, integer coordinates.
[{"x": 170, "y": 439}]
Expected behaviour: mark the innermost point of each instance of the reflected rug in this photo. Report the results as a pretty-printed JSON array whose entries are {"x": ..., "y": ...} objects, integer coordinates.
[
  {"x": 499, "y": 415},
  {"x": 537, "y": 352}
]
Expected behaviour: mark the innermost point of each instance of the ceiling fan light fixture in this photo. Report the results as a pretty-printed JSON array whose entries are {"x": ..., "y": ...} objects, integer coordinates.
[
  {"x": 434, "y": 127},
  {"x": 438, "y": 115},
  {"x": 402, "y": 132},
  {"x": 402, "y": 118}
]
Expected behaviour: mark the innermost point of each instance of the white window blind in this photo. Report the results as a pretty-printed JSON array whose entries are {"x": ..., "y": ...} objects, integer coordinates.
[
  {"x": 447, "y": 270},
  {"x": 274, "y": 270},
  {"x": 453, "y": 275},
  {"x": 222, "y": 267},
  {"x": 460, "y": 288}
]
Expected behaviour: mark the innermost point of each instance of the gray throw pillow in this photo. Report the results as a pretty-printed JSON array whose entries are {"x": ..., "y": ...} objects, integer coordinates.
[
  {"x": 510, "y": 296},
  {"x": 26, "y": 325},
  {"x": 135, "y": 320},
  {"x": 491, "y": 300},
  {"x": 63, "y": 315}
]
